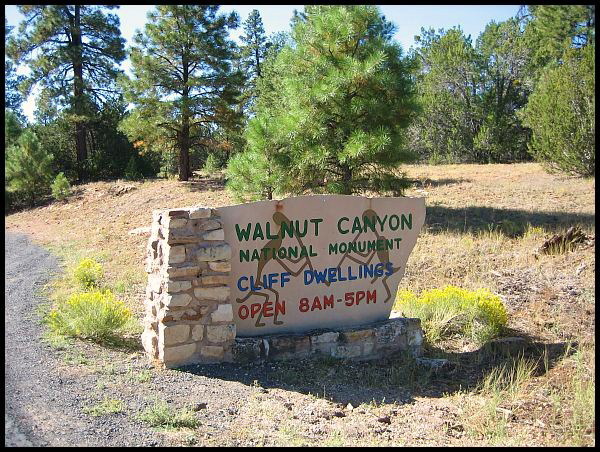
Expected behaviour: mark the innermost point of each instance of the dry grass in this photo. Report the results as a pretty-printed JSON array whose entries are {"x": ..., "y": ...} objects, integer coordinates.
[{"x": 484, "y": 224}]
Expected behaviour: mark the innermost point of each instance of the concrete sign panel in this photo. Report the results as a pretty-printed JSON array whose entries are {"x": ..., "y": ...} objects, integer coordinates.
[{"x": 325, "y": 261}]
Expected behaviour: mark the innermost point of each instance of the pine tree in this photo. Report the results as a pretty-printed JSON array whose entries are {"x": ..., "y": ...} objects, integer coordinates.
[
  {"x": 550, "y": 30},
  {"x": 28, "y": 167},
  {"x": 252, "y": 55},
  {"x": 12, "y": 96},
  {"x": 343, "y": 100},
  {"x": 71, "y": 51},
  {"x": 561, "y": 113},
  {"x": 182, "y": 74}
]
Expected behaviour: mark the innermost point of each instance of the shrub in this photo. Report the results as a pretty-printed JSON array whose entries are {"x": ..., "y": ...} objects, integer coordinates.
[
  {"x": 212, "y": 164},
  {"x": 92, "y": 315},
  {"x": 132, "y": 170},
  {"x": 478, "y": 315},
  {"x": 161, "y": 415},
  {"x": 106, "y": 406},
  {"x": 28, "y": 167},
  {"x": 561, "y": 114},
  {"x": 88, "y": 273},
  {"x": 61, "y": 187}
]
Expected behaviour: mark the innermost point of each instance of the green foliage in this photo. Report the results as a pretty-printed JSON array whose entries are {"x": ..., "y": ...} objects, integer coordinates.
[
  {"x": 551, "y": 30},
  {"x": 92, "y": 315},
  {"x": 212, "y": 164},
  {"x": 161, "y": 415},
  {"x": 55, "y": 41},
  {"x": 477, "y": 315},
  {"x": 561, "y": 114},
  {"x": 106, "y": 406},
  {"x": 88, "y": 273},
  {"x": 132, "y": 170},
  {"x": 13, "y": 127},
  {"x": 333, "y": 109},
  {"x": 28, "y": 167},
  {"x": 252, "y": 55},
  {"x": 12, "y": 96},
  {"x": 470, "y": 96},
  {"x": 251, "y": 175},
  {"x": 178, "y": 89},
  {"x": 61, "y": 187}
]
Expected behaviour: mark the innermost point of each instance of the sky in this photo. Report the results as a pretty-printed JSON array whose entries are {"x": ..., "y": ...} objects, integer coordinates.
[{"x": 408, "y": 20}]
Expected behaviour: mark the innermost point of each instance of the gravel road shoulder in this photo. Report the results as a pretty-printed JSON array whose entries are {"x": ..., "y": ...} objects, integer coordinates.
[{"x": 42, "y": 406}]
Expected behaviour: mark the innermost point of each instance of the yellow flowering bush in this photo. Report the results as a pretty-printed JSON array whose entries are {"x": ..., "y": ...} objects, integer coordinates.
[
  {"x": 88, "y": 273},
  {"x": 478, "y": 315},
  {"x": 96, "y": 315}
]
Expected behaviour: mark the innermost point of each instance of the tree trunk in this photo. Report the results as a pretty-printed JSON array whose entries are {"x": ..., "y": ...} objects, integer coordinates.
[
  {"x": 346, "y": 179},
  {"x": 184, "y": 151},
  {"x": 184, "y": 136},
  {"x": 76, "y": 47}
]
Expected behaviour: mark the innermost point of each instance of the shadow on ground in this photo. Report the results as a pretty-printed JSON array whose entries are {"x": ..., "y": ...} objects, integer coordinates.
[
  {"x": 510, "y": 222},
  {"x": 394, "y": 380},
  {"x": 203, "y": 183},
  {"x": 426, "y": 182}
]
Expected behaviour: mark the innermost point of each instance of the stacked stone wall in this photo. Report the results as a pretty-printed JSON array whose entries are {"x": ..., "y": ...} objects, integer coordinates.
[
  {"x": 379, "y": 340},
  {"x": 188, "y": 315}
]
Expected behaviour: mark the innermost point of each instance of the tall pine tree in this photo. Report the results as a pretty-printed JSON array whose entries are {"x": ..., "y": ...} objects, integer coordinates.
[
  {"x": 182, "y": 78},
  {"x": 344, "y": 99},
  {"x": 71, "y": 51}
]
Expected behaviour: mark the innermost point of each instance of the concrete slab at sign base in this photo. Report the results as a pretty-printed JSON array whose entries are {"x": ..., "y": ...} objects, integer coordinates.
[{"x": 377, "y": 340}]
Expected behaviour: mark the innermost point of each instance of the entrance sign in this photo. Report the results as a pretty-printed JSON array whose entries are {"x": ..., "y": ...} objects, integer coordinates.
[{"x": 311, "y": 262}]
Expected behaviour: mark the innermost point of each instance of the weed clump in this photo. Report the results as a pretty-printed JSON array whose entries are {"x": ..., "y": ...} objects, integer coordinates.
[
  {"x": 92, "y": 315},
  {"x": 477, "y": 315},
  {"x": 88, "y": 273},
  {"x": 161, "y": 415}
]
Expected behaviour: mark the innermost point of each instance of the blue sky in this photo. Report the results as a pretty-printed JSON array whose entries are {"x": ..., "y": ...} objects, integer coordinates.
[{"x": 408, "y": 20}]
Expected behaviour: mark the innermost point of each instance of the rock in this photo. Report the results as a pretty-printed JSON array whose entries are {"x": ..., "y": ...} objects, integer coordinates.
[
  {"x": 178, "y": 286},
  {"x": 150, "y": 342},
  {"x": 224, "y": 313},
  {"x": 200, "y": 406},
  {"x": 173, "y": 223},
  {"x": 212, "y": 293},
  {"x": 118, "y": 190},
  {"x": 182, "y": 299},
  {"x": 339, "y": 414},
  {"x": 179, "y": 272},
  {"x": 220, "y": 333},
  {"x": 217, "y": 234},
  {"x": 177, "y": 354},
  {"x": 176, "y": 254},
  {"x": 346, "y": 351},
  {"x": 213, "y": 252},
  {"x": 199, "y": 212},
  {"x": 220, "y": 266},
  {"x": 288, "y": 405},
  {"x": 197, "y": 332},
  {"x": 215, "y": 279},
  {"x": 580, "y": 269},
  {"x": 384, "y": 420},
  {"x": 435, "y": 364},
  {"x": 349, "y": 407},
  {"x": 170, "y": 335},
  {"x": 212, "y": 351},
  {"x": 144, "y": 230},
  {"x": 330, "y": 336}
]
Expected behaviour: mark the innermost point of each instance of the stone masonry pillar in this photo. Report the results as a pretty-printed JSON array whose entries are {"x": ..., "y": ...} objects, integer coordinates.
[{"x": 189, "y": 316}]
